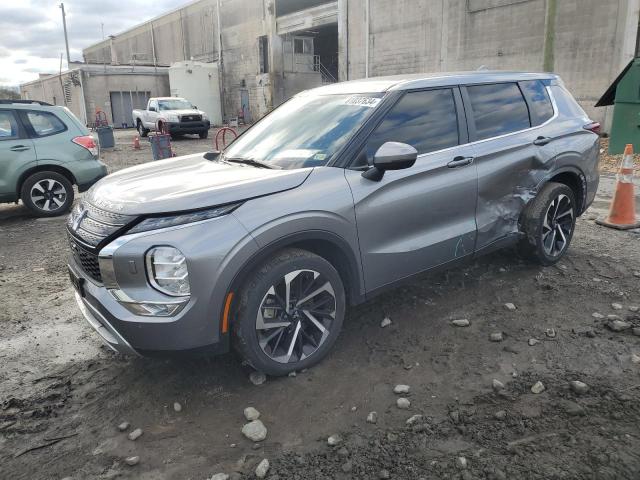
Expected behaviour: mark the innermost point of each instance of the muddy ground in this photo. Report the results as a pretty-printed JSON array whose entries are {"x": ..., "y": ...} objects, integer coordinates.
[{"x": 63, "y": 394}]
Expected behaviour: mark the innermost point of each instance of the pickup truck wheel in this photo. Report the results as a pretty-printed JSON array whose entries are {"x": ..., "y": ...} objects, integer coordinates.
[
  {"x": 290, "y": 312},
  {"x": 204, "y": 134},
  {"x": 143, "y": 132},
  {"x": 549, "y": 223},
  {"x": 47, "y": 194}
]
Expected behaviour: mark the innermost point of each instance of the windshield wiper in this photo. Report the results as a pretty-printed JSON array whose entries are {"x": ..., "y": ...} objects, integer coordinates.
[{"x": 250, "y": 161}]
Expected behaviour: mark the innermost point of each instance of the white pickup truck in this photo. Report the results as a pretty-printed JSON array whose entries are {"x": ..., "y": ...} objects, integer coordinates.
[{"x": 173, "y": 115}]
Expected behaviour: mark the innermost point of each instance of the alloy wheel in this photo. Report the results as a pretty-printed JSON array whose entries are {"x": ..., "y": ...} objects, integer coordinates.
[
  {"x": 557, "y": 226},
  {"x": 48, "y": 195},
  {"x": 296, "y": 316}
]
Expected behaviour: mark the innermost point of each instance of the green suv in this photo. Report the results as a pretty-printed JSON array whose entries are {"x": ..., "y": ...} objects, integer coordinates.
[{"x": 44, "y": 151}]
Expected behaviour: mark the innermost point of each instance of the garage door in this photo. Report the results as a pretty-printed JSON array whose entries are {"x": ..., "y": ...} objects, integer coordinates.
[{"x": 122, "y": 103}]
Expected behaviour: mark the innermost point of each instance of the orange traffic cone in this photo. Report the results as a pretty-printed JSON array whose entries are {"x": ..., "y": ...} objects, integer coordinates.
[
  {"x": 136, "y": 143},
  {"x": 622, "y": 214}
]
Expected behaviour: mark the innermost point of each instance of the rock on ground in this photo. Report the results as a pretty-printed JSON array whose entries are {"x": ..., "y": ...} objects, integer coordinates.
[
  {"x": 385, "y": 322},
  {"x": 123, "y": 426},
  {"x": 255, "y": 431},
  {"x": 533, "y": 341},
  {"x": 257, "y": 378},
  {"x": 618, "y": 325},
  {"x": 510, "y": 306},
  {"x": 135, "y": 434},
  {"x": 251, "y": 414},
  {"x": 497, "y": 385},
  {"x": 579, "y": 387},
  {"x": 220, "y": 476},
  {"x": 334, "y": 440},
  {"x": 262, "y": 468},
  {"x": 132, "y": 461},
  {"x": 461, "y": 322},
  {"x": 403, "y": 403},
  {"x": 413, "y": 419},
  {"x": 538, "y": 387},
  {"x": 177, "y": 407},
  {"x": 496, "y": 337},
  {"x": 616, "y": 306},
  {"x": 372, "y": 417},
  {"x": 401, "y": 389}
]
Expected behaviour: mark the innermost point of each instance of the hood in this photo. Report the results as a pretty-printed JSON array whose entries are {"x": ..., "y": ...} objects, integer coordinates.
[{"x": 186, "y": 183}]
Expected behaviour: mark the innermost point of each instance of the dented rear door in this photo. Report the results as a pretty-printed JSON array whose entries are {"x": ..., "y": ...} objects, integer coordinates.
[{"x": 511, "y": 157}]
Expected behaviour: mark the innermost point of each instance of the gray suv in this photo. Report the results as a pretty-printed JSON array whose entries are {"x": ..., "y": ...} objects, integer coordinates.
[{"x": 340, "y": 193}]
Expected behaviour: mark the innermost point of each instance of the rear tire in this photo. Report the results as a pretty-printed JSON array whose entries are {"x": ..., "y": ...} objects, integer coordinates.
[
  {"x": 143, "y": 132},
  {"x": 204, "y": 134},
  {"x": 277, "y": 337},
  {"x": 549, "y": 223},
  {"x": 47, "y": 194}
]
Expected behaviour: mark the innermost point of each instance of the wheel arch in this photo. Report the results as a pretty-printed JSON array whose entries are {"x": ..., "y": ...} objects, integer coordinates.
[
  {"x": 44, "y": 168},
  {"x": 327, "y": 245},
  {"x": 573, "y": 178}
]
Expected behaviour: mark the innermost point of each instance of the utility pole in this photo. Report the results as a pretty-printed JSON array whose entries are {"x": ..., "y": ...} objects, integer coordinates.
[{"x": 66, "y": 38}]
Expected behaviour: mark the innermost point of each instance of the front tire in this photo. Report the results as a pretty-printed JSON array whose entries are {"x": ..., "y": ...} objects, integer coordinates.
[
  {"x": 290, "y": 312},
  {"x": 549, "y": 223},
  {"x": 47, "y": 194},
  {"x": 204, "y": 134}
]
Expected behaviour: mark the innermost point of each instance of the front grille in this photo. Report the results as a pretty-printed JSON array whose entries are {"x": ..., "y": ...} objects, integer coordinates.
[
  {"x": 89, "y": 226},
  {"x": 191, "y": 118},
  {"x": 86, "y": 259}
]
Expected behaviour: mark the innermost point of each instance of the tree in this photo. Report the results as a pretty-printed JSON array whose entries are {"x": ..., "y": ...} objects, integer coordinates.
[{"x": 9, "y": 93}]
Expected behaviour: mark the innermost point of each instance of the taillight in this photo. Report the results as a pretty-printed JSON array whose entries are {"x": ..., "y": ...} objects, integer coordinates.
[
  {"x": 87, "y": 141},
  {"x": 593, "y": 127}
]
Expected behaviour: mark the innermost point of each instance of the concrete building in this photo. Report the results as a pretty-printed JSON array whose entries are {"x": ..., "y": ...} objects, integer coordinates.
[
  {"x": 87, "y": 89},
  {"x": 268, "y": 50}
]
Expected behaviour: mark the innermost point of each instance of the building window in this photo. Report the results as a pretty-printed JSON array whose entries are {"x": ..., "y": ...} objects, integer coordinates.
[
  {"x": 263, "y": 52},
  {"x": 303, "y": 45}
]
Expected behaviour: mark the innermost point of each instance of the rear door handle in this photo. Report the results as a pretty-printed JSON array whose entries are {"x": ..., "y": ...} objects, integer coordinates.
[
  {"x": 540, "y": 141},
  {"x": 460, "y": 162},
  {"x": 19, "y": 148}
]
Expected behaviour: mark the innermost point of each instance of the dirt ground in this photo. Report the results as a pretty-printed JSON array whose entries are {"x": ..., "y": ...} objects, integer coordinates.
[{"x": 63, "y": 395}]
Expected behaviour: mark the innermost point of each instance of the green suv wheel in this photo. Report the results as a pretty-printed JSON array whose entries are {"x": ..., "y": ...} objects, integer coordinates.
[{"x": 47, "y": 194}]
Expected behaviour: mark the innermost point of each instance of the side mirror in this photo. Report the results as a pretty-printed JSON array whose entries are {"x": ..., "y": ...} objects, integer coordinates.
[
  {"x": 152, "y": 109},
  {"x": 391, "y": 156}
]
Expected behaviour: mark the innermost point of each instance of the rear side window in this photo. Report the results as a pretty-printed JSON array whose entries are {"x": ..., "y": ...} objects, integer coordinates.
[
  {"x": 498, "y": 109},
  {"x": 425, "y": 120},
  {"x": 8, "y": 126},
  {"x": 45, "y": 123},
  {"x": 540, "y": 107}
]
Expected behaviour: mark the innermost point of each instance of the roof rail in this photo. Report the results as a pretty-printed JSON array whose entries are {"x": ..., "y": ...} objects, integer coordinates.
[{"x": 26, "y": 102}]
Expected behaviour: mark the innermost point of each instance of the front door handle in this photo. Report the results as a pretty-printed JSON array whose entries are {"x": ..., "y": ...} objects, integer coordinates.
[
  {"x": 460, "y": 162},
  {"x": 19, "y": 148},
  {"x": 540, "y": 141}
]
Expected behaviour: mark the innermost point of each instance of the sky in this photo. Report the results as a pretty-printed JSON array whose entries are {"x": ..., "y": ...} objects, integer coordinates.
[{"x": 32, "y": 38}]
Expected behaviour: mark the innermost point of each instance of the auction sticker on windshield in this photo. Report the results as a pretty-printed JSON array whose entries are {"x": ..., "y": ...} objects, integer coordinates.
[{"x": 362, "y": 101}]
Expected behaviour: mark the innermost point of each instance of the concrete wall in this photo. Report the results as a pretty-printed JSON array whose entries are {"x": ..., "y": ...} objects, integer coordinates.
[
  {"x": 90, "y": 90},
  {"x": 586, "y": 41}
]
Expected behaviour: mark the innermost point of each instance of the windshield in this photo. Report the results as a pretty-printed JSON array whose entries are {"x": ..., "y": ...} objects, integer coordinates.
[
  {"x": 306, "y": 131},
  {"x": 177, "y": 104}
]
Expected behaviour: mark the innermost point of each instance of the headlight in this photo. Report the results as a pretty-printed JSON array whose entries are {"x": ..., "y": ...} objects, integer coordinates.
[
  {"x": 172, "y": 118},
  {"x": 164, "y": 222},
  {"x": 167, "y": 270}
]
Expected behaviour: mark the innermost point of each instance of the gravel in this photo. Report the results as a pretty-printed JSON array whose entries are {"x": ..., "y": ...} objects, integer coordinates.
[
  {"x": 257, "y": 378},
  {"x": 496, "y": 337},
  {"x": 220, "y": 476},
  {"x": 372, "y": 417},
  {"x": 334, "y": 440},
  {"x": 618, "y": 325},
  {"x": 579, "y": 387}
]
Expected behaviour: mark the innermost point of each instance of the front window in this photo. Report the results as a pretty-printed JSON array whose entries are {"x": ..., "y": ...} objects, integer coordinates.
[
  {"x": 177, "y": 104},
  {"x": 306, "y": 131}
]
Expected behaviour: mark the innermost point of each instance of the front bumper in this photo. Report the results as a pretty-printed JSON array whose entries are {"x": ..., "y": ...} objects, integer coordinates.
[
  {"x": 188, "y": 127},
  {"x": 103, "y": 328},
  {"x": 207, "y": 245}
]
